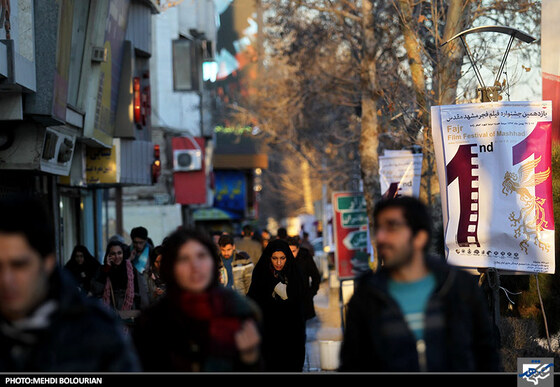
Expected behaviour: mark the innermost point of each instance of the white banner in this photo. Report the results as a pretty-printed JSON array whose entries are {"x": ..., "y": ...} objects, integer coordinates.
[
  {"x": 400, "y": 173},
  {"x": 494, "y": 166}
]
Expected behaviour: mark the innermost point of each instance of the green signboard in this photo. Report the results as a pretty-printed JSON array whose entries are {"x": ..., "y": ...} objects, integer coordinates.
[
  {"x": 356, "y": 240},
  {"x": 354, "y": 219},
  {"x": 351, "y": 203}
]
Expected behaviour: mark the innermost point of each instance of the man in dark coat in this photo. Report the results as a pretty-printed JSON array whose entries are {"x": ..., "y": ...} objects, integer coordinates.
[
  {"x": 46, "y": 324},
  {"x": 311, "y": 276},
  {"x": 417, "y": 313}
]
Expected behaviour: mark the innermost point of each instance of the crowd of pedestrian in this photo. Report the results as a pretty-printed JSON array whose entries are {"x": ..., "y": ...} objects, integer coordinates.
[{"x": 216, "y": 303}]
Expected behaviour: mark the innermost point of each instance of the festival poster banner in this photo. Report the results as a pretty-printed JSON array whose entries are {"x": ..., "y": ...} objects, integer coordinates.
[
  {"x": 494, "y": 167},
  {"x": 350, "y": 230},
  {"x": 400, "y": 173}
]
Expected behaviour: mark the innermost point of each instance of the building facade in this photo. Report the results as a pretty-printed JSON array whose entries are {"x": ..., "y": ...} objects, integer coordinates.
[{"x": 75, "y": 110}]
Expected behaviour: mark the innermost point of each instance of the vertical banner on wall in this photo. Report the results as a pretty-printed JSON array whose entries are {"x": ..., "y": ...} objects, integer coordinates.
[
  {"x": 350, "y": 230},
  {"x": 494, "y": 167},
  {"x": 400, "y": 173}
]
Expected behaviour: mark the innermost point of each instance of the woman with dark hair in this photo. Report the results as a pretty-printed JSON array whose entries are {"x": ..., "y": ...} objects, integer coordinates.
[
  {"x": 277, "y": 287},
  {"x": 83, "y": 267},
  {"x": 152, "y": 275},
  {"x": 118, "y": 283},
  {"x": 198, "y": 325}
]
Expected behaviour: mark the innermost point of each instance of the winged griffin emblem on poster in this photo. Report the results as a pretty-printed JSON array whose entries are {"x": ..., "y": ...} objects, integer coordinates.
[{"x": 531, "y": 218}]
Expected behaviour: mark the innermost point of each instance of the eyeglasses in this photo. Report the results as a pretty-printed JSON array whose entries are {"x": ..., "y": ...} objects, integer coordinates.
[{"x": 390, "y": 226}]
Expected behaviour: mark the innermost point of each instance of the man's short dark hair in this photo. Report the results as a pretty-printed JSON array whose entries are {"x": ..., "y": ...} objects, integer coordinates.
[
  {"x": 416, "y": 213},
  {"x": 28, "y": 216},
  {"x": 139, "y": 232},
  {"x": 293, "y": 241},
  {"x": 282, "y": 233},
  {"x": 226, "y": 240},
  {"x": 247, "y": 230}
]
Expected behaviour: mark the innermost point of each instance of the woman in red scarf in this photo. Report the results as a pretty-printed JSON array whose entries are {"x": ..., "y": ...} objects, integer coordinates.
[{"x": 198, "y": 325}]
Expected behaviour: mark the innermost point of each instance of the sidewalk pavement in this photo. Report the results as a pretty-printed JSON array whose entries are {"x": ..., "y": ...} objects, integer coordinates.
[{"x": 325, "y": 326}]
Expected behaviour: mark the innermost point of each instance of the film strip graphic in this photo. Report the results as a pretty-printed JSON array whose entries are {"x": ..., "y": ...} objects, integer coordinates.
[
  {"x": 462, "y": 167},
  {"x": 392, "y": 191}
]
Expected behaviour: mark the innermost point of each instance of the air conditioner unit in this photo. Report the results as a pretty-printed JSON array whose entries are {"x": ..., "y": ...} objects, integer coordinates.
[
  {"x": 99, "y": 54},
  {"x": 31, "y": 146},
  {"x": 187, "y": 160}
]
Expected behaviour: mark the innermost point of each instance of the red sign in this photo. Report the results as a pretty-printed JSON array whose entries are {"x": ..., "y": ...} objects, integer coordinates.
[
  {"x": 190, "y": 186},
  {"x": 350, "y": 230}
]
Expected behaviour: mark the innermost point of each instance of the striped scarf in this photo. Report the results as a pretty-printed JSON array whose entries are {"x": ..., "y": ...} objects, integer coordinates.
[{"x": 129, "y": 294}]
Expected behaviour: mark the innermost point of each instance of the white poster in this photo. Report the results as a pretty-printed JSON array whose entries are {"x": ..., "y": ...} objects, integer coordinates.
[
  {"x": 400, "y": 173},
  {"x": 494, "y": 167}
]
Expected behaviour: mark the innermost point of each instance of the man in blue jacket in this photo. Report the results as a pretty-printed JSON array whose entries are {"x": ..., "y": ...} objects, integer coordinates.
[
  {"x": 417, "y": 313},
  {"x": 46, "y": 324}
]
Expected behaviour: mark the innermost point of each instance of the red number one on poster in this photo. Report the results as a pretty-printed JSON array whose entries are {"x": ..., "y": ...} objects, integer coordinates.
[
  {"x": 461, "y": 167},
  {"x": 538, "y": 143}
]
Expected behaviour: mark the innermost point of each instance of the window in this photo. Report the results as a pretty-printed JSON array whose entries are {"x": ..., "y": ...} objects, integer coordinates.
[{"x": 185, "y": 68}]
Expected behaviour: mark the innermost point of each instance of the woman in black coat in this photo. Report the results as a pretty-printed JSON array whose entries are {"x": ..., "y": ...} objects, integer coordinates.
[
  {"x": 83, "y": 267},
  {"x": 311, "y": 276},
  {"x": 277, "y": 287}
]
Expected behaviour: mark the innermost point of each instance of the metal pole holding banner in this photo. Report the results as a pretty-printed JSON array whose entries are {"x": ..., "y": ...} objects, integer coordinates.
[
  {"x": 492, "y": 278},
  {"x": 489, "y": 94},
  {"x": 341, "y": 301}
]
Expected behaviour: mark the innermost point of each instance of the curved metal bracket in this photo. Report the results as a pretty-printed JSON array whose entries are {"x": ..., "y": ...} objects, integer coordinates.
[
  {"x": 500, "y": 29},
  {"x": 490, "y": 93}
]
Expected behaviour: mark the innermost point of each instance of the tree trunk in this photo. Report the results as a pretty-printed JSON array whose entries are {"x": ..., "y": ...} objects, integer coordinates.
[
  {"x": 452, "y": 54},
  {"x": 306, "y": 186},
  {"x": 413, "y": 49},
  {"x": 369, "y": 140}
]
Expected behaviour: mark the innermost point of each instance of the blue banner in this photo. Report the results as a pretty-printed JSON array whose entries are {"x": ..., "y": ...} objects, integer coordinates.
[{"x": 230, "y": 193}]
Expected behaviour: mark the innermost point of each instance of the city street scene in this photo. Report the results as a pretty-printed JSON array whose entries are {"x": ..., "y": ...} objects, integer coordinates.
[{"x": 304, "y": 187}]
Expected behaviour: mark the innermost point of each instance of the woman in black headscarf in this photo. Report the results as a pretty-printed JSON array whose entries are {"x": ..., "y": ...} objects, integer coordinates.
[
  {"x": 118, "y": 283},
  {"x": 83, "y": 267},
  {"x": 277, "y": 287}
]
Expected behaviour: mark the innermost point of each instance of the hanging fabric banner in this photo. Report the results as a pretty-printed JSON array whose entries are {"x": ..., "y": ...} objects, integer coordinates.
[
  {"x": 494, "y": 167},
  {"x": 400, "y": 173}
]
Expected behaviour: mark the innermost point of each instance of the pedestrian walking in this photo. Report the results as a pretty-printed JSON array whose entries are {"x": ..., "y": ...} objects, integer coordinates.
[
  {"x": 311, "y": 276},
  {"x": 236, "y": 267},
  {"x": 216, "y": 237},
  {"x": 198, "y": 325},
  {"x": 417, "y": 313},
  {"x": 140, "y": 249},
  {"x": 265, "y": 238},
  {"x": 83, "y": 266},
  {"x": 282, "y": 233},
  {"x": 278, "y": 288},
  {"x": 249, "y": 245},
  {"x": 46, "y": 323},
  {"x": 306, "y": 243},
  {"x": 120, "y": 285},
  {"x": 152, "y": 276}
]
